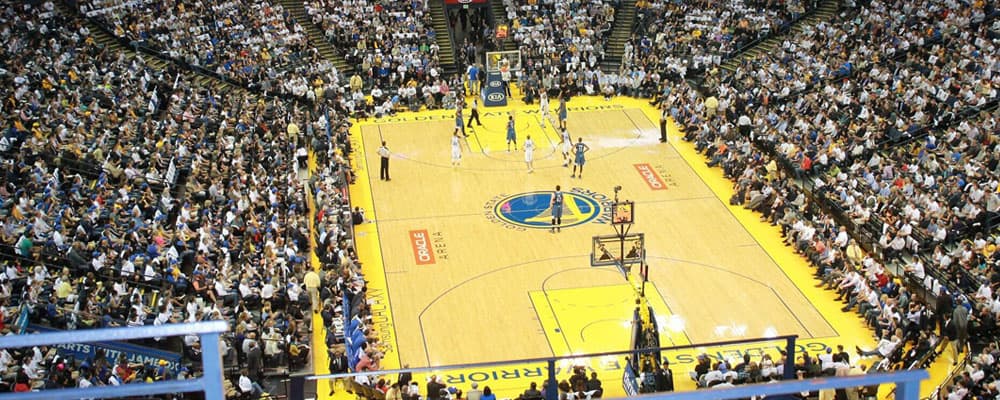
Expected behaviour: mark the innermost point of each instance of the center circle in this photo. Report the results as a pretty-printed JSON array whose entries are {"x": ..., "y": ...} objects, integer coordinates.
[{"x": 534, "y": 209}]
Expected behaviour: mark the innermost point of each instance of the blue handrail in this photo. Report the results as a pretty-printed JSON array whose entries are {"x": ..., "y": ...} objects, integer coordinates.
[
  {"x": 210, "y": 383},
  {"x": 788, "y": 339},
  {"x": 907, "y": 387}
]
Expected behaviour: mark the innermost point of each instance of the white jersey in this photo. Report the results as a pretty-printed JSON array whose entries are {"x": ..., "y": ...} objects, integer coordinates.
[
  {"x": 529, "y": 150},
  {"x": 456, "y": 149},
  {"x": 567, "y": 143},
  {"x": 543, "y": 105}
]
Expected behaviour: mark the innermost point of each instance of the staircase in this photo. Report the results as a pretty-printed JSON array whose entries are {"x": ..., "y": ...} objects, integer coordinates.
[
  {"x": 500, "y": 17},
  {"x": 824, "y": 12},
  {"x": 621, "y": 32},
  {"x": 439, "y": 20},
  {"x": 101, "y": 35},
  {"x": 105, "y": 38},
  {"x": 316, "y": 36}
]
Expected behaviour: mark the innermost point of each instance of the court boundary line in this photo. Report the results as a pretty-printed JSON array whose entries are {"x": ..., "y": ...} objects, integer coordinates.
[
  {"x": 755, "y": 280},
  {"x": 671, "y": 311},
  {"x": 554, "y": 149},
  {"x": 378, "y": 234},
  {"x": 746, "y": 229},
  {"x": 420, "y": 316},
  {"x": 538, "y": 317}
]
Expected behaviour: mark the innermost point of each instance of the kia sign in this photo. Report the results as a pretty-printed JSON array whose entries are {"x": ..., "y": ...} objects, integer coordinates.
[
  {"x": 493, "y": 93},
  {"x": 421, "y": 243}
]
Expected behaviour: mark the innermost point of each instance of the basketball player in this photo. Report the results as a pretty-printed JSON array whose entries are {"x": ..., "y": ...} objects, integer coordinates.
[
  {"x": 459, "y": 123},
  {"x": 567, "y": 146},
  {"x": 557, "y": 203},
  {"x": 475, "y": 113},
  {"x": 562, "y": 112},
  {"x": 511, "y": 135},
  {"x": 456, "y": 150},
  {"x": 529, "y": 153},
  {"x": 543, "y": 107},
  {"x": 579, "y": 150},
  {"x": 505, "y": 75}
]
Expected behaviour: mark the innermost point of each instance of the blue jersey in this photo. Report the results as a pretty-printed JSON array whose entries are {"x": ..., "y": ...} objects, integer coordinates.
[
  {"x": 580, "y": 149},
  {"x": 557, "y": 203},
  {"x": 510, "y": 130}
]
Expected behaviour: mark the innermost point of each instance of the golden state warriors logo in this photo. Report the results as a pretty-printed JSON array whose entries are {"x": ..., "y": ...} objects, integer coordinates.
[{"x": 534, "y": 209}]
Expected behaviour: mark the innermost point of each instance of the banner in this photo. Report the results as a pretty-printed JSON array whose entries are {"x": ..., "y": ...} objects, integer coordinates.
[
  {"x": 112, "y": 350},
  {"x": 629, "y": 382},
  {"x": 494, "y": 94}
]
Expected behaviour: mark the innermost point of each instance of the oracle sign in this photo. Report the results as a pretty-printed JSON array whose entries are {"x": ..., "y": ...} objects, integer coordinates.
[
  {"x": 650, "y": 176},
  {"x": 421, "y": 243}
]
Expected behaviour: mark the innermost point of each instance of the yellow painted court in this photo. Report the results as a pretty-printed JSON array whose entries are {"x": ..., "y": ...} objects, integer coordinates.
[{"x": 462, "y": 268}]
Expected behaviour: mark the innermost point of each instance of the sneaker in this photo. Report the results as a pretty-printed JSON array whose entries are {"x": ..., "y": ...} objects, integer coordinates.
[{"x": 573, "y": 176}]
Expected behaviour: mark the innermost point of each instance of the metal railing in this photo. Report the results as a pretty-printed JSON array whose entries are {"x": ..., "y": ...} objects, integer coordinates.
[
  {"x": 298, "y": 382},
  {"x": 907, "y": 387},
  {"x": 210, "y": 383}
]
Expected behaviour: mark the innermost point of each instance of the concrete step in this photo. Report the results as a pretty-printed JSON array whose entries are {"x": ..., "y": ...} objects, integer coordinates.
[
  {"x": 443, "y": 39},
  {"x": 316, "y": 37}
]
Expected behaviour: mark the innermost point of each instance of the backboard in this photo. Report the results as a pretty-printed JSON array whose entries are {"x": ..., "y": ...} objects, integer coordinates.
[
  {"x": 607, "y": 250},
  {"x": 497, "y": 61}
]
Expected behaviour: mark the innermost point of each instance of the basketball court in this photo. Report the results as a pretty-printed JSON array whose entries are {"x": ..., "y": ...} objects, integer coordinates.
[{"x": 462, "y": 267}]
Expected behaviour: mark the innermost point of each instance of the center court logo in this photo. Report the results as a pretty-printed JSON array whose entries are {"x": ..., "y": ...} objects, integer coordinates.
[{"x": 534, "y": 209}]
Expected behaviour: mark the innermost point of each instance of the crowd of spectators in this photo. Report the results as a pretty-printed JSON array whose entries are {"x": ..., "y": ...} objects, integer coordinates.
[
  {"x": 919, "y": 84},
  {"x": 393, "y": 47},
  {"x": 817, "y": 115},
  {"x": 562, "y": 43},
  {"x": 688, "y": 37},
  {"x": 135, "y": 196},
  {"x": 242, "y": 41}
]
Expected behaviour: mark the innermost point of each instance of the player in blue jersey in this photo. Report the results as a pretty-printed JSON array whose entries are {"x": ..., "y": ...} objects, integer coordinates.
[
  {"x": 557, "y": 207},
  {"x": 562, "y": 112},
  {"x": 459, "y": 123},
  {"x": 579, "y": 149},
  {"x": 511, "y": 135}
]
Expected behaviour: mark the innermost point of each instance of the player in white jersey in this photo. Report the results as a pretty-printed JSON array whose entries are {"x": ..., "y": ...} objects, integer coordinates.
[
  {"x": 566, "y": 145},
  {"x": 456, "y": 150},
  {"x": 529, "y": 153},
  {"x": 543, "y": 107}
]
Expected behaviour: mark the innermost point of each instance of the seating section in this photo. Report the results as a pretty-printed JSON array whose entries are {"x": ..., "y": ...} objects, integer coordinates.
[
  {"x": 391, "y": 44},
  {"x": 693, "y": 35},
  {"x": 823, "y": 118},
  {"x": 137, "y": 196},
  {"x": 242, "y": 41},
  {"x": 133, "y": 195}
]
